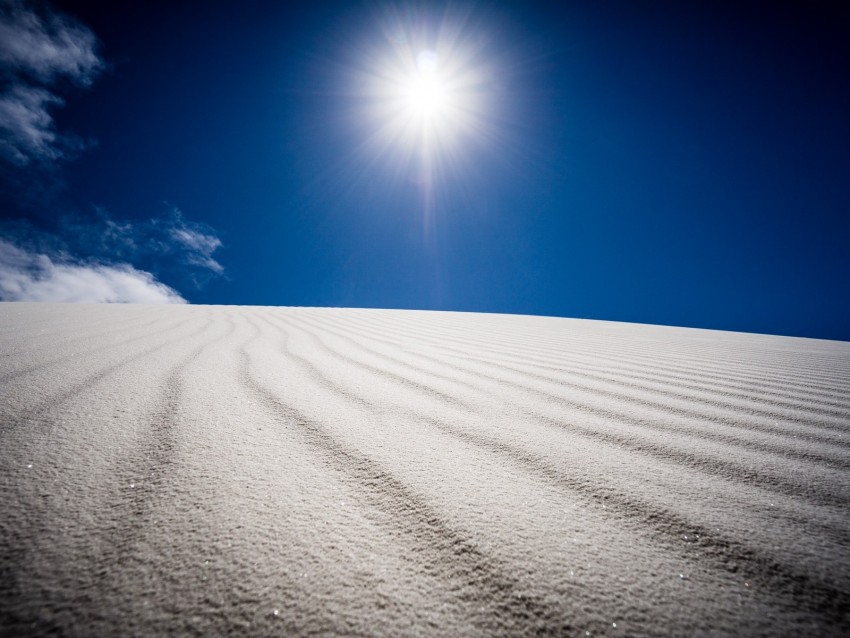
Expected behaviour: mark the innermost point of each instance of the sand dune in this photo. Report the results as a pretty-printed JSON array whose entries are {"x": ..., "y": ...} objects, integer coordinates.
[{"x": 272, "y": 471}]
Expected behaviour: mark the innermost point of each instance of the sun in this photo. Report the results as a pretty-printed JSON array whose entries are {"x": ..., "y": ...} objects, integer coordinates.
[
  {"x": 424, "y": 88},
  {"x": 424, "y": 99},
  {"x": 425, "y": 94}
]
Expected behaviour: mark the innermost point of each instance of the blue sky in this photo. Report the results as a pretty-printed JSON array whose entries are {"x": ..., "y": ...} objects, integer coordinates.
[{"x": 671, "y": 163}]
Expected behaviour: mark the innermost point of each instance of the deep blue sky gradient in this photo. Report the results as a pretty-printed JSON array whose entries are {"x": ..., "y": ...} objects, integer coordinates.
[{"x": 683, "y": 163}]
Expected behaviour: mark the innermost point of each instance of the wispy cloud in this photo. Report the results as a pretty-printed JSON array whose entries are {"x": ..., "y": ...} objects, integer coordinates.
[
  {"x": 26, "y": 126},
  {"x": 38, "y": 49},
  {"x": 170, "y": 237},
  {"x": 102, "y": 259},
  {"x": 83, "y": 257},
  {"x": 33, "y": 276},
  {"x": 46, "y": 46},
  {"x": 198, "y": 243}
]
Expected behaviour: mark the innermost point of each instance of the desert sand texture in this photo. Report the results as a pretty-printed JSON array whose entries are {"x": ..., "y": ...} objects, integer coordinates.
[{"x": 198, "y": 470}]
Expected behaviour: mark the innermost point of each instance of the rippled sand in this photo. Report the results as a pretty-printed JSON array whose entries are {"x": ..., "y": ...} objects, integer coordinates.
[{"x": 300, "y": 471}]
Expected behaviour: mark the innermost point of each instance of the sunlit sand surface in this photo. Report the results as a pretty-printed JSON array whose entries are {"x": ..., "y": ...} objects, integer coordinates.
[{"x": 300, "y": 471}]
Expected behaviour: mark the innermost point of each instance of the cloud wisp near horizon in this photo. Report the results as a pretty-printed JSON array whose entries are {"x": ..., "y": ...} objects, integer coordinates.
[
  {"x": 32, "y": 276},
  {"x": 102, "y": 261}
]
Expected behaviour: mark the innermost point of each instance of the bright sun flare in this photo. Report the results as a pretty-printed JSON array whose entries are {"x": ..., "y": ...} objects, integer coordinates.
[
  {"x": 428, "y": 85},
  {"x": 428, "y": 89},
  {"x": 425, "y": 95}
]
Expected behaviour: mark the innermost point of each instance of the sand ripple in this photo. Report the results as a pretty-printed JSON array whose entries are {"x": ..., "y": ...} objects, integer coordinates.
[{"x": 298, "y": 471}]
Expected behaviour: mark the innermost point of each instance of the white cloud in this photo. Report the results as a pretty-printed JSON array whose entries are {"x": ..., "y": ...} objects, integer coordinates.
[
  {"x": 30, "y": 276},
  {"x": 46, "y": 46},
  {"x": 199, "y": 246},
  {"x": 26, "y": 128},
  {"x": 36, "y": 51},
  {"x": 170, "y": 241}
]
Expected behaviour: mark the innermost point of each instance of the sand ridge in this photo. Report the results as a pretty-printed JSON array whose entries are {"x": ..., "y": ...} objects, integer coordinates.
[{"x": 305, "y": 471}]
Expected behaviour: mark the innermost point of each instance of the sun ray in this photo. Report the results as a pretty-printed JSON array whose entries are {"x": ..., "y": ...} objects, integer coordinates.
[{"x": 426, "y": 87}]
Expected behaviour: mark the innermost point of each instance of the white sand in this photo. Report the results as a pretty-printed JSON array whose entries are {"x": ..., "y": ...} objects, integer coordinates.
[{"x": 270, "y": 471}]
